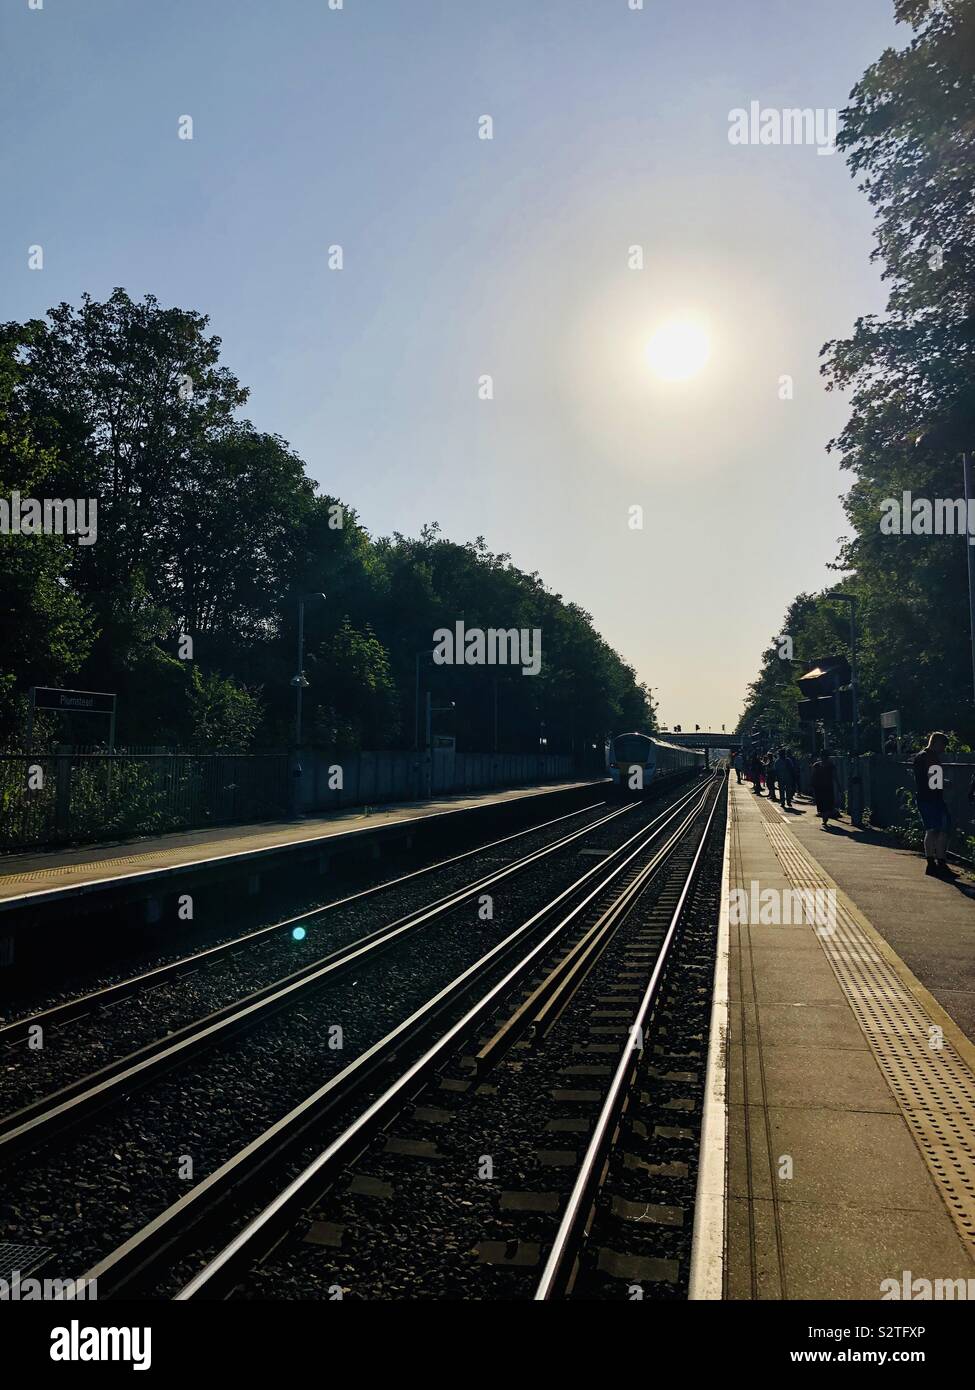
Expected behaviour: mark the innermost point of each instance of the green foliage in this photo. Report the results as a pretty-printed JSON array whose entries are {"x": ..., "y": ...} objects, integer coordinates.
[
  {"x": 910, "y": 374},
  {"x": 909, "y": 828},
  {"x": 46, "y": 628},
  {"x": 210, "y": 529},
  {"x": 121, "y": 798},
  {"x": 224, "y": 716},
  {"x": 359, "y": 710}
]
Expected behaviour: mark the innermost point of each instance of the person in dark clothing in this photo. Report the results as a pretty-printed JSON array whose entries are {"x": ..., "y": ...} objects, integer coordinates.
[
  {"x": 929, "y": 784},
  {"x": 736, "y": 761},
  {"x": 784, "y": 778},
  {"x": 793, "y": 762},
  {"x": 770, "y": 774},
  {"x": 824, "y": 788},
  {"x": 756, "y": 774}
]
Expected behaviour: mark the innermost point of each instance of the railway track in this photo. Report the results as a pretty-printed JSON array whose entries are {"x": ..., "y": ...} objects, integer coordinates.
[
  {"x": 57, "y": 1015},
  {"x": 563, "y": 1262},
  {"x": 519, "y": 998},
  {"x": 42, "y": 1196},
  {"x": 243, "y": 958}
]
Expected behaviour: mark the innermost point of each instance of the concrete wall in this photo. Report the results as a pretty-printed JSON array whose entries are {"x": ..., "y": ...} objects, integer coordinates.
[{"x": 369, "y": 779}]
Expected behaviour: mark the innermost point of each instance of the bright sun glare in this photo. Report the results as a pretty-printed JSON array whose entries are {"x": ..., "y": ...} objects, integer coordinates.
[{"x": 678, "y": 350}]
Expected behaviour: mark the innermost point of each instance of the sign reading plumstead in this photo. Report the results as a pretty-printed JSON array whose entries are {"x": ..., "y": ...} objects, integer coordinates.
[{"x": 72, "y": 702}]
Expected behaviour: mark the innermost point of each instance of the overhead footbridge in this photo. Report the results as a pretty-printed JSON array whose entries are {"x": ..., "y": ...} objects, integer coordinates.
[{"x": 700, "y": 738}]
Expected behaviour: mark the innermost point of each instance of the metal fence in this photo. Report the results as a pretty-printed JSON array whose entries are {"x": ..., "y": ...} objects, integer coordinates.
[
  {"x": 887, "y": 790},
  {"x": 79, "y": 795},
  {"x": 74, "y": 796},
  {"x": 329, "y": 781}
]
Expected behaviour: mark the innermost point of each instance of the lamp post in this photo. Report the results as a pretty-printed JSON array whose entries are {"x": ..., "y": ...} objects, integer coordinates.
[
  {"x": 300, "y": 680},
  {"x": 856, "y": 807},
  {"x": 427, "y": 652},
  {"x": 966, "y": 463}
]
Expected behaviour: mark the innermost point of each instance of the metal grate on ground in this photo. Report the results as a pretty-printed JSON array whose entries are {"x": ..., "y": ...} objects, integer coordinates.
[{"x": 20, "y": 1259}]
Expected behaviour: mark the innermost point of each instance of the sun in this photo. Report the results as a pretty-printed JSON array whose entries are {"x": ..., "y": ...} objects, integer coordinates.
[{"x": 678, "y": 349}]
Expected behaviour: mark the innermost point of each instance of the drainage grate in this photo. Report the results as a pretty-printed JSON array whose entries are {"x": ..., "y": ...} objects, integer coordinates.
[
  {"x": 20, "y": 1259},
  {"x": 934, "y": 1087}
]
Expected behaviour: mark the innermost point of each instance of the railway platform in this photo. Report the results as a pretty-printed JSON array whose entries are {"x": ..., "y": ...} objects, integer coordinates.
[
  {"x": 838, "y": 1152},
  {"x": 40, "y": 879}
]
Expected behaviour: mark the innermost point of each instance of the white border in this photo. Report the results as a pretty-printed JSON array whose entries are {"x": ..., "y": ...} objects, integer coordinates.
[{"x": 707, "y": 1245}]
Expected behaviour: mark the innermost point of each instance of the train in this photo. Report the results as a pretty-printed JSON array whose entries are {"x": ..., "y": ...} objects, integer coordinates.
[{"x": 635, "y": 761}]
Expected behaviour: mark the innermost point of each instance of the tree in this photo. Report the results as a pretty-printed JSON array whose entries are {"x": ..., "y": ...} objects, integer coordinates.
[
  {"x": 909, "y": 138},
  {"x": 352, "y": 694},
  {"x": 908, "y": 134},
  {"x": 46, "y": 629},
  {"x": 209, "y": 532},
  {"x": 224, "y": 715}
]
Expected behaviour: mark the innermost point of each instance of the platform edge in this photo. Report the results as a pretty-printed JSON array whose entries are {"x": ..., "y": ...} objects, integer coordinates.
[{"x": 708, "y": 1240}]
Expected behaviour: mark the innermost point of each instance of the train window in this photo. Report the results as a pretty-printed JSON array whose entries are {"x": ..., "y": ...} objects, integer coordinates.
[{"x": 633, "y": 749}]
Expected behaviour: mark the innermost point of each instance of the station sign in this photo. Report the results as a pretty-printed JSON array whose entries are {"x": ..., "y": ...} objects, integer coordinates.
[
  {"x": 73, "y": 701},
  {"x": 48, "y": 697}
]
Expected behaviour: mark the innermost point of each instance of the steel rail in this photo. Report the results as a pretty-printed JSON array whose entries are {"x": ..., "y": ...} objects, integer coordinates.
[
  {"x": 546, "y": 1003},
  {"x": 146, "y": 1247},
  {"x": 79, "y": 1099},
  {"x": 58, "y": 1014},
  {"x": 221, "y": 1272},
  {"x": 560, "y": 1265}
]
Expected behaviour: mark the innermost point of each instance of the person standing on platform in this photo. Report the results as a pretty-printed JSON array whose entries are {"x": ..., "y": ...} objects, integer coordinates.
[
  {"x": 785, "y": 779},
  {"x": 736, "y": 761},
  {"x": 929, "y": 783},
  {"x": 770, "y": 775},
  {"x": 756, "y": 774},
  {"x": 793, "y": 762},
  {"x": 824, "y": 788}
]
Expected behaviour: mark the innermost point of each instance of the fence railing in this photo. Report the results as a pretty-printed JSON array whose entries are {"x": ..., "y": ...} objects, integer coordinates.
[
  {"x": 73, "y": 797},
  {"x": 78, "y": 796},
  {"x": 887, "y": 791},
  {"x": 329, "y": 781}
]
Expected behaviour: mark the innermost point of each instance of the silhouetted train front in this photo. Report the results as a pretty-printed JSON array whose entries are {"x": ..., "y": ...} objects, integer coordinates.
[{"x": 634, "y": 761}]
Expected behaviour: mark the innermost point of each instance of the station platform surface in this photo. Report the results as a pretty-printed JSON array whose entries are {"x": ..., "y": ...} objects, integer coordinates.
[
  {"x": 849, "y": 1088},
  {"x": 30, "y": 877}
]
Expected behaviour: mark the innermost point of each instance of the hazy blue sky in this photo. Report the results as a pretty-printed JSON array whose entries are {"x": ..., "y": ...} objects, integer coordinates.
[{"x": 465, "y": 257}]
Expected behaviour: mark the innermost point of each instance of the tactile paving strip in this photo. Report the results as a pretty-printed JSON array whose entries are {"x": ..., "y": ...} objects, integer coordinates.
[
  {"x": 63, "y": 870},
  {"x": 933, "y": 1085}
]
